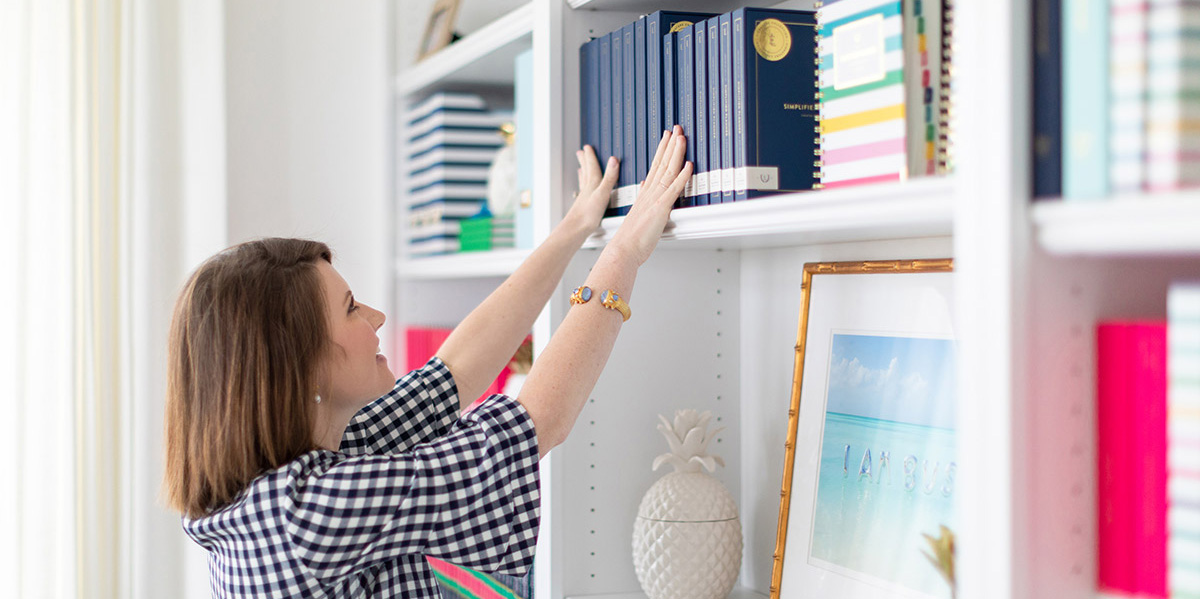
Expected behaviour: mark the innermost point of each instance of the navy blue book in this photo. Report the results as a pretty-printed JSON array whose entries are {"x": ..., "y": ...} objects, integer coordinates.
[
  {"x": 660, "y": 75},
  {"x": 669, "y": 117},
  {"x": 629, "y": 108},
  {"x": 700, "y": 73},
  {"x": 714, "y": 110},
  {"x": 604, "y": 60},
  {"x": 618, "y": 114},
  {"x": 775, "y": 106},
  {"x": 726, "y": 68},
  {"x": 685, "y": 103},
  {"x": 589, "y": 95},
  {"x": 642, "y": 101},
  {"x": 1047, "y": 98}
]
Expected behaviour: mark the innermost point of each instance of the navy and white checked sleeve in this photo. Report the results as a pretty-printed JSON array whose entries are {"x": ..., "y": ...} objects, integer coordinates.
[{"x": 421, "y": 407}]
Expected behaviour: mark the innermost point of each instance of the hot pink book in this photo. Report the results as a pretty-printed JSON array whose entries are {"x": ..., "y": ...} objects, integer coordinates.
[{"x": 1131, "y": 407}]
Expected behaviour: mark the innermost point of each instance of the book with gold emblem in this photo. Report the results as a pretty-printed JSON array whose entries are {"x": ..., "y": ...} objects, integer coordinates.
[{"x": 774, "y": 101}]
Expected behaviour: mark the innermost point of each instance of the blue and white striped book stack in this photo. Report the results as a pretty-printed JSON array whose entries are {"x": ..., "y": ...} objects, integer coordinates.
[
  {"x": 451, "y": 141},
  {"x": 1183, "y": 441}
]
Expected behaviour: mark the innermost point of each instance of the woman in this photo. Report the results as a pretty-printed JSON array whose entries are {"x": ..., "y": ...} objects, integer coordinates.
[{"x": 299, "y": 484}]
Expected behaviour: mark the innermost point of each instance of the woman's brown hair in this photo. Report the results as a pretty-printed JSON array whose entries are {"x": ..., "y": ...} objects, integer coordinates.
[{"x": 246, "y": 337}]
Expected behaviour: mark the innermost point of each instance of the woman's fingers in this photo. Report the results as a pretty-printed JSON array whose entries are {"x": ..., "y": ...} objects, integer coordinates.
[
  {"x": 657, "y": 163},
  {"x": 610, "y": 174}
]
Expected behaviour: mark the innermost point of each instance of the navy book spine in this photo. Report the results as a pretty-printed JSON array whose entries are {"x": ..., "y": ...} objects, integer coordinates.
[
  {"x": 668, "y": 81},
  {"x": 700, "y": 75},
  {"x": 1047, "y": 98},
  {"x": 629, "y": 109},
  {"x": 604, "y": 94},
  {"x": 683, "y": 97},
  {"x": 775, "y": 101},
  {"x": 738, "y": 59},
  {"x": 714, "y": 110},
  {"x": 589, "y": 95},
  {"x": 654, "y": 83},
  {"x": 617, "y": 102},
  {"x": 726, "y": 57},
  {"x": 641, "y": 99},
  {"x": 659, "y": 74}
]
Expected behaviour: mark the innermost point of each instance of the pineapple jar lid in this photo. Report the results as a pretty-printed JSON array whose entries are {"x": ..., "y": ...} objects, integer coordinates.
[{"x": 688, "y": 497}]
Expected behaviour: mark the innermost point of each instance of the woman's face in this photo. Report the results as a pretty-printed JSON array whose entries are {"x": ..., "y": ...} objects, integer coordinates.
[{"x": 355, "y": 371}]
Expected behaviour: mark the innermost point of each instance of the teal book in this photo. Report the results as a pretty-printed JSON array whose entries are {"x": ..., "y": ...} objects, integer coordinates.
[{"x": 1085, "y": 114}]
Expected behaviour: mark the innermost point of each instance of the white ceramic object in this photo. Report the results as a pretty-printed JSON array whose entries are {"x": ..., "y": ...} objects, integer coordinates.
[{"x": 687, "y": 540}]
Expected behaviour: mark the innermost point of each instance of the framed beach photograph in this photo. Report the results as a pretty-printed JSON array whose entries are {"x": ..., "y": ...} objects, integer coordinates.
[
  {"x": 439, "y": 28},
  {"x": 867, "y": 502}
]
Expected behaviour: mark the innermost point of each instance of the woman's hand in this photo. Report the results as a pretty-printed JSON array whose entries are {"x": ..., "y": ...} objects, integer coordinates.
[
  {"x": 594, "y": 190},
  {"x": 644, "y": 225}
]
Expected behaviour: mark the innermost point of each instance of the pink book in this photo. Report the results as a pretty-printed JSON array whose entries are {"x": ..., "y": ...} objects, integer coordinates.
[{"x": 1131, "y": 457}]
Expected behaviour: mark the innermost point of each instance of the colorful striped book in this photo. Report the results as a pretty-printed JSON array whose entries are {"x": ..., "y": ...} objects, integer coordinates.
[
  {"x": 922, "y": 56},
  {"x": 465, "y": 583},
  {"x": 1183, "y": 441},
  {"x": 1127, "y": 95},
  {"x": 1173, "y": 103},
  {"x": 862, "y": 97}
]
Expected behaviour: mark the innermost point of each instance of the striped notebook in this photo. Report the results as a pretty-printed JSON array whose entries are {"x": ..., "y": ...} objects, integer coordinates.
[
  {"x": 1173, "y": 94},
  {"x": 1183, "y": 441},
  {"x": 459, "y": 582},
  {"x": 861, "y": 73}
]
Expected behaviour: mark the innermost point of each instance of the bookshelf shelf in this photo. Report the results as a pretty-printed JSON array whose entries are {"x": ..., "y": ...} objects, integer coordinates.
[
  {"x": 470, "y": 265},
  {"x": 737, "y": 593},
  {"x": 640, "y": 5},
  {"x": 920, "y": 208},
  {"x": 483, "y": 57},
  {"x": 1159, "y": 224}
]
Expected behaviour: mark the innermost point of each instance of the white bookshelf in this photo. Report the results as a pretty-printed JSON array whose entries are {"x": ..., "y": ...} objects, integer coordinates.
[
  {"x": 737, "y": 593},
  {"x": 482, "y": 57},
  {"x": 1134, "y": 225},
  {"x": 918, "y": 208},
  {"x": 716, "y": 309},
  {"x": 469, "y": 265}
]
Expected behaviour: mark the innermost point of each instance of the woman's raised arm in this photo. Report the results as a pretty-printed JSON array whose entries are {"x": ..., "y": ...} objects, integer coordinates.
[{"x": 488, "y": 337}]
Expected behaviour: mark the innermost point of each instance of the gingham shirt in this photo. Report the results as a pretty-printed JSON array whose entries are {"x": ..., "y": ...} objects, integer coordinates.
[{"x": 412, "y": 478}]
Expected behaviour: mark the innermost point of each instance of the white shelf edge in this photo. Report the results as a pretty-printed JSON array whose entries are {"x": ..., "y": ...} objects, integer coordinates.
[
  {"x": 737, "y": 593},
  {"x": 916, "y": 208},
  {"x": 1128, "y": 225},
  {"x": 479, "y": 44},
  {"x": 495, "y": 263}
]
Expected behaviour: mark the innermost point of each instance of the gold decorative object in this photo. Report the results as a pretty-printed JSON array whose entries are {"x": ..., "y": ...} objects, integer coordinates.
[{"x": 941, "y": 555}]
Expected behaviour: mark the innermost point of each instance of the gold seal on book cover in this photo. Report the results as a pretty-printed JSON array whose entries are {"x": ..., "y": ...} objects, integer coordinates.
[
  {"x": 772, "y": 39},
  {"x": 680, "y": 26}
]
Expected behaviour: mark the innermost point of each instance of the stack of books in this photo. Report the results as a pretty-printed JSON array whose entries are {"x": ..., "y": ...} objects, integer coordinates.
[
  {"x": 485, "y": 232},
  {"x": 774, "y": 100},
  {"x": 1114, "y": 91},
  {"x": 741, "y": 85},
  {"x": 452, "y": 139}
]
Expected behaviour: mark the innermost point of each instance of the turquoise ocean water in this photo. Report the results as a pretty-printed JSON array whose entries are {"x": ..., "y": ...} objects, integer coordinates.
[{"x": 869, "y": 526}]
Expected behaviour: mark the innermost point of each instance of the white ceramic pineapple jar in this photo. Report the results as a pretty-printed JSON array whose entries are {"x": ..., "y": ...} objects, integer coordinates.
[{"x": 687, "y": 540}]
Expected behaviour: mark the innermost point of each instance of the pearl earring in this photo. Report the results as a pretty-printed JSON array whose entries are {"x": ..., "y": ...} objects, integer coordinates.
[{"x": 318, "y": 398}]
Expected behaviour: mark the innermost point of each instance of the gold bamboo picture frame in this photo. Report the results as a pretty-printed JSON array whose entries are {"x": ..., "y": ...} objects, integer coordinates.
[{"x": 869, "y": 502}]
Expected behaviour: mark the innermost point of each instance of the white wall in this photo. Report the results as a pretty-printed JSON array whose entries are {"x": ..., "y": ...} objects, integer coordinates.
[{"x": 307, "y": 103}]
